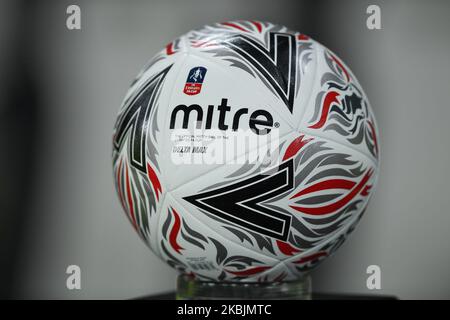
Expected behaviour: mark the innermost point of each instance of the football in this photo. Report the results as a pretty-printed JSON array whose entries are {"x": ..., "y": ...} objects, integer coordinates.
[{"x": 245, "y": 151}]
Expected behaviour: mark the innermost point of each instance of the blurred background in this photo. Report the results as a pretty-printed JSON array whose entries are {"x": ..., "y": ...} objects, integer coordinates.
[{"x": 60, "y": 91}]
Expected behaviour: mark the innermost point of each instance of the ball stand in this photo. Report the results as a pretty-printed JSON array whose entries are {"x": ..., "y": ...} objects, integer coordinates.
[{"x": 189, "y": 288}]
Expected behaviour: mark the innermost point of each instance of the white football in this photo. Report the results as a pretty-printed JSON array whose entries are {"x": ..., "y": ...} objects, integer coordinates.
[{"x": 245, "y": 151}]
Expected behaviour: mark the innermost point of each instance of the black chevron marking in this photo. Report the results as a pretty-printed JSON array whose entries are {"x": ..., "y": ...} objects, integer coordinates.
[
  {"x": 276, "y": 64},
  {"x": 135, "y": 118},
  {"x": 241, "y": 203}
]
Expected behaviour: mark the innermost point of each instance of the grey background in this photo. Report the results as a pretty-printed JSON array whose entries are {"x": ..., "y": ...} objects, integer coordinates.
[{"x": 69, "y": 214}]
